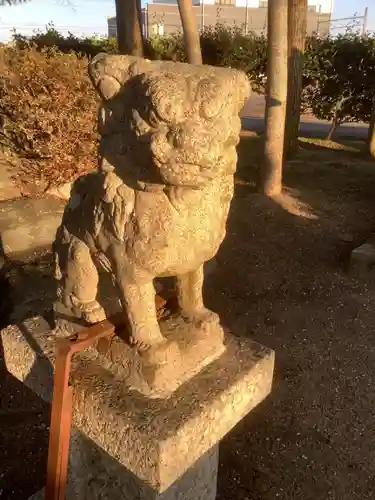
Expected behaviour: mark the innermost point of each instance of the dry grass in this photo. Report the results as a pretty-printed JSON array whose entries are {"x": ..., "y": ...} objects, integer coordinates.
[{"x": 50, "y": 110}]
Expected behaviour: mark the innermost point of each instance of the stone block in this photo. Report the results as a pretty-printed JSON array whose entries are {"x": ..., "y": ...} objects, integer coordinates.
[
  {"x": 128, "y": 446},
  {"x": 28, "y": 225},
  {"x": 107, "y": 478},
  {"x": 362, "y": 259}
]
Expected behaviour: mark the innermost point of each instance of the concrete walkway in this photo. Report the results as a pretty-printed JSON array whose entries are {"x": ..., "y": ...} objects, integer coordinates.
[
  {"x": 252, "y": 117},
  {"x": 312, "y": 128},
  {"x": 28, "y": 225}
]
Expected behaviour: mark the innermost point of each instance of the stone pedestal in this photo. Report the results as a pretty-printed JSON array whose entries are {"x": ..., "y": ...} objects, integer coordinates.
[{"x": 125, "y": 445}]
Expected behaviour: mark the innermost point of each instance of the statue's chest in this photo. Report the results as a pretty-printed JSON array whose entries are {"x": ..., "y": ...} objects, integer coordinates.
[{"x": 184, "y": 221}]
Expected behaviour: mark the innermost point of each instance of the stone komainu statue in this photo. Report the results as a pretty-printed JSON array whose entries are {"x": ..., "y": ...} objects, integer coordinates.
[{"x": 158, "y": 204}]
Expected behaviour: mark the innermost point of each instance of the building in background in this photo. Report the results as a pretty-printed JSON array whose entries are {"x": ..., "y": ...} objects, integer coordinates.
[{"x": 163, "y": 17}]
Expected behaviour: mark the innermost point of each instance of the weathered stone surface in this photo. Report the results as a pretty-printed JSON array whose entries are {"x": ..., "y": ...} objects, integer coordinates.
[
  {"x": 62, "y": 191},
  {"x": 109, "y": 480},
  {"x": 8, "y": 189},
  {"x": 158, "y": 204},
  {"x": 29, "y": 225},
  {"x": 151, "y": 438},
  {"x": 187, "y": 350}
]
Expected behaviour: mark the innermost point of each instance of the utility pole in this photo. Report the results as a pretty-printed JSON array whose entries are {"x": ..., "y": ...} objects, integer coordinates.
[
  {"x": 246, "y": 17},
  {"x": 364, "y": 25}
]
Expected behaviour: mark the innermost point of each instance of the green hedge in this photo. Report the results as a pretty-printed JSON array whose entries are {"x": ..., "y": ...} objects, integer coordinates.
[{"x": 84, "y": 47}]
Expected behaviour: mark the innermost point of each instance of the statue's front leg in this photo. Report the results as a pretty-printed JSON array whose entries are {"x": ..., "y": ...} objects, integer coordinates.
[
  {"x": 190, "y": 298},
  {"x": 138, "y": 301}
]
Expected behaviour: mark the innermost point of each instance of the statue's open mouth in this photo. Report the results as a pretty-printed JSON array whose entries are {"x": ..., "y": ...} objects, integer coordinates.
[{"x": 186, "y": 174}]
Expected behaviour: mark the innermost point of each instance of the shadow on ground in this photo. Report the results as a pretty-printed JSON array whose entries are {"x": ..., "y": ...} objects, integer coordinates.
[
  {"x": 282, "y": 282},
  {"x": 24, "y": 418},
  {"x": 24, "y": 428}
]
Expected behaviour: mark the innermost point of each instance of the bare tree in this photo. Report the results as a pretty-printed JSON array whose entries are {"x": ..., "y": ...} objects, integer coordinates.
[
  {"x": 297, "y": 24},
  {"x": 129, "y": 27},
  {"x": 277, "y": 76},
  {"x": 191, "y": 34}
]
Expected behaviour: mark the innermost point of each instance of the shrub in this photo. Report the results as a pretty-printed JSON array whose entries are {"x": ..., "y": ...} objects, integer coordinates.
[
  {"x": 221, "y": 46},
  {"x": 339, "y": 77},
  {"x": 50, "y": 110},
  {"x": 87, "y": 47},
  {"x": 168, "y": 48},
  {"x": 224, "y": 46}
]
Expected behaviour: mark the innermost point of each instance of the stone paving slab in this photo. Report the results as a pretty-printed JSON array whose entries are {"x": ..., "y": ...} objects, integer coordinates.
[{"x": 28, "y": 225}]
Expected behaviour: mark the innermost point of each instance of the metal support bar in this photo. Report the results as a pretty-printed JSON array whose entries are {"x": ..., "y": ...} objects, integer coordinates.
[
  {"x": 61, "y": 415},
  {"x": 62, "y": 400}
]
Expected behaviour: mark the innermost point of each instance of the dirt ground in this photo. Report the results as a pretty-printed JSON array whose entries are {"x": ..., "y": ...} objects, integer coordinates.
[{"x": 281, "y": 280}]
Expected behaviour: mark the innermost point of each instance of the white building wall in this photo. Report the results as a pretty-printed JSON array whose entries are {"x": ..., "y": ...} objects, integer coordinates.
[
  {"x": 325, "y": 6},
  {"x": 249, "y": 3},
  {"x": 206, "y": 2}
]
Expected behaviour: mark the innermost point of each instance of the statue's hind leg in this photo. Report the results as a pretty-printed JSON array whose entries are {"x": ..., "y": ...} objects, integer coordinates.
[{"x": 79, "y": 281}]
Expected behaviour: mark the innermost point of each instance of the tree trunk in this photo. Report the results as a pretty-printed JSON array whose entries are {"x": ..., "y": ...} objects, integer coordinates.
[
  {"x": 371, "y": 131},
  {"x": 332, "y": 129},
  {"x": 277, "y": 74},
  {"x": 129, "y": 27},
  {"x": 191, "y": 34},
  {"x": 297, "y": 24}
]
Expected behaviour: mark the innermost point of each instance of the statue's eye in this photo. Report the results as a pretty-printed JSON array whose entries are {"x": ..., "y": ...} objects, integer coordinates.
[
  {"x": 211, "y": 98},
  {"x": 168, "y": 98},
  {"x": 108, "y": 87},
  {"x": 169, "y": 108}
]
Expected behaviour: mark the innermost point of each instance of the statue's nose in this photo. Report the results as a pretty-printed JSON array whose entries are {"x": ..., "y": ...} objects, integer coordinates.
[{"x": 186, "y": 136}]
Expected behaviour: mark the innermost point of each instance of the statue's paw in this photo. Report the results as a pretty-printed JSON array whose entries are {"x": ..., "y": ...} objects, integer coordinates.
[
  {"x": 201, "y": 317},
  {"x": 144, "y": 338},
  {"x": 94, "y": 316},
  {"x": 90, "y": 312}
]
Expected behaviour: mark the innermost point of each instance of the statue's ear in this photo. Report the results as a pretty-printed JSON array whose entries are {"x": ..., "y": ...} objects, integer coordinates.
[{"x": 109, "y": 73}]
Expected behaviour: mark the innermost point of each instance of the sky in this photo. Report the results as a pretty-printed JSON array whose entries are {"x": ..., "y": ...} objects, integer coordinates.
[{"x": 89, "y": 17}]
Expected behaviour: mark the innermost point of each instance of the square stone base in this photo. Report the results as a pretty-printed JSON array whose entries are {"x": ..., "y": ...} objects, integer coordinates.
[
  {"x": 95, "y": 475},
  {"x": 140, "y": 447}
]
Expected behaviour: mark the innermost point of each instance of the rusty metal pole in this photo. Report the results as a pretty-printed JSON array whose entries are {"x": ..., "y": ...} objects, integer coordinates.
[
  {"x": 62, "y": 400},
  {"x": 61, "y": 414},
  {"x": 61, "y": 417}
]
